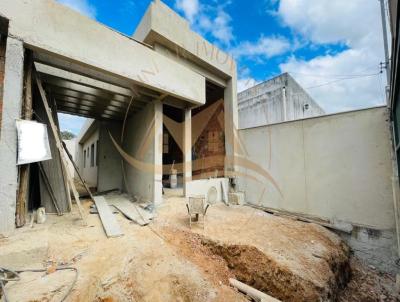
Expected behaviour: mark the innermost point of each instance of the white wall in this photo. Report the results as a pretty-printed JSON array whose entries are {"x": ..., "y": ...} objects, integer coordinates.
[
  {"x": 334, "y": 167},
  {"x": 109, "y": 170},
  {"x": 89, "y": 172}
]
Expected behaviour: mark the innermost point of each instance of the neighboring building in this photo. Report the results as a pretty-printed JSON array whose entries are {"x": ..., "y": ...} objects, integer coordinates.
[{"x": 277, "y": 100}]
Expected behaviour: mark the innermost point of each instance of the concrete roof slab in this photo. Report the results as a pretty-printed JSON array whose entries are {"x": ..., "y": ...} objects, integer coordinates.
[{"x": 51, "y": 27}]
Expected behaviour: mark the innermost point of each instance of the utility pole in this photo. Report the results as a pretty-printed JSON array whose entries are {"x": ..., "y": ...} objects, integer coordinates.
[{"x": 385, "y": 41}]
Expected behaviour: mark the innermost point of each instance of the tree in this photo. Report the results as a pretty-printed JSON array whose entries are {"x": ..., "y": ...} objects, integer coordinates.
[{"x": 67, "y": 135}]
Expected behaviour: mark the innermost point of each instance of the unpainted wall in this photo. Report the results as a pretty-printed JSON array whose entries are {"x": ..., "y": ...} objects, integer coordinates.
[
  {"x": 12, "y": 102},
  {"x": 333, "y": 167},
  {"x": 139, "y": 143},
  {"x": 109, "y": 169}
]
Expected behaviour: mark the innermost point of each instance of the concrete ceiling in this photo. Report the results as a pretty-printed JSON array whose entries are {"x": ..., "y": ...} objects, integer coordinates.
[{"x": 85, "y": 96}]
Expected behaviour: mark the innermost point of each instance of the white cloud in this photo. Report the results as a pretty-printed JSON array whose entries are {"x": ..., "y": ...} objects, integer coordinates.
[
  {"x": 208, "y": 19},
  {"x": 355, "y": 24},
  {"x": 245, "y": 83},
  {"x": 327, "y": 21},
  {"x": 335, "y": 92},
  {"x": 81, "y": 6},
  {"x": 264, "y": 48},
  {"x": 190, "y": 8},
  {"x": 71, "y": 123},
  {"x": 221, "y": 28}
]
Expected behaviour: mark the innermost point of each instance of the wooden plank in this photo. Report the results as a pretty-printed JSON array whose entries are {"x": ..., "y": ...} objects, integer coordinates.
[
  {"x": 59, "y": 147},
  {"x": 93, "y": 209},
  {"x": 52, "y": 169},
  {"x": 49, "y": 188},
  {"x": 110, "y": 223},
  {"x": 21, "y": 205},
  {"x": 252, "y": 292},
  {"x": 295, "y": 216},
  {"x": 131, "y": 211}
]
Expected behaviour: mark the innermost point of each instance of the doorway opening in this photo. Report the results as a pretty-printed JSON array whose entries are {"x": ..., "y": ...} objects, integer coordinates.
[{"x": 208, "y": 135}]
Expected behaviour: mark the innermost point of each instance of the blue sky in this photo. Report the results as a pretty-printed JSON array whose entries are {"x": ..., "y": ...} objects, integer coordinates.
[{"x": 332, "y": 48}]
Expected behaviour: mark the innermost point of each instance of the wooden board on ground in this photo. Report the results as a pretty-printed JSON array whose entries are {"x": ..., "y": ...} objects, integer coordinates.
[
  {"x": 252, "y": 292},
  {"x": 93, "y": 210},
  {"x": 110, "y": 223},
  {"x": 131, "y": 211}
]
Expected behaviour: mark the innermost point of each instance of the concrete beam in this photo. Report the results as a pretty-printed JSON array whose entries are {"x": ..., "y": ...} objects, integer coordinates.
[
  {"x": 162, "y": 25},
  {"x": 12, "y": 103},
  {"x": 86, "y": 81},
  {"x": 47, "y": 26}
]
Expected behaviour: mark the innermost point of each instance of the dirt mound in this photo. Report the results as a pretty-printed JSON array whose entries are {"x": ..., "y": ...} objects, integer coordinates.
[
  {"x": 253, "y": 267},
  {"x": 256, "y": 269}
]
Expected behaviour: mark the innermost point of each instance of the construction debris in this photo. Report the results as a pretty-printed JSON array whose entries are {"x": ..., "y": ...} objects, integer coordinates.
[{"x": 131, "y": 211}]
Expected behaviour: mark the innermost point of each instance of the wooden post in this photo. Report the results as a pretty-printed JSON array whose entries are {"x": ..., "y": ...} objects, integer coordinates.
[
  {"x": 59, "y": 145},
  {"x": 24, "y": 169},
  {"x": 49, "y": 188}
]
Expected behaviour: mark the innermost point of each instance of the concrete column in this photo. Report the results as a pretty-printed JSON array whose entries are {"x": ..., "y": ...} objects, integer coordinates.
[
  {"x": 12, "y": 103},
  {"x": 187, "y": 151},
  {"x": 231, "y": 123},
  {"x": 158, "y": 155}
]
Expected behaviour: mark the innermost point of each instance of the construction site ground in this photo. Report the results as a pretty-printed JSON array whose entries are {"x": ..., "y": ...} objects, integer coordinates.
[{"x": 168, "y": 261}]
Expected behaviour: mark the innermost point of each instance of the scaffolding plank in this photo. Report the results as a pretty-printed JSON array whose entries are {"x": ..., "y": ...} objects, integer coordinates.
[
  {"x": 110, "y": 223},
  {"x": 132, "y": 212}
]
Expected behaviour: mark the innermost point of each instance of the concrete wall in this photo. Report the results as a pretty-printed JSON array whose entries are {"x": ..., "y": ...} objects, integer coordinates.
[
  {"x": 138, "y": 181},
  {"x": 335, "y": 167},
  {"x": 277, "y": 100},
  {"x": 12, "y": 103},
  {"x": 89, "y": 172},
  {"x": 162, "y": 24},
  {"x": 109, "y": 170}
]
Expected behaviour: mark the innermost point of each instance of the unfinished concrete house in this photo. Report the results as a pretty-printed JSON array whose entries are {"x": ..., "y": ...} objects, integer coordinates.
[
  {"x": 172, "y": 70},
  {"x": 168, "y": 200},
  {"x": 273, "y": 101}
]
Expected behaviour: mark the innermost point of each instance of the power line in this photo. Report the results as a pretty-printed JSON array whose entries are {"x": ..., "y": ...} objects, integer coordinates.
[
  {"x": 343, "y": 79},
  {"x": 337, "y": 75}
]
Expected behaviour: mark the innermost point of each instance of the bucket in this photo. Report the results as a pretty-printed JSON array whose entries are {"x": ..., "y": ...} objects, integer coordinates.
[{"x": 41, "y": 215}]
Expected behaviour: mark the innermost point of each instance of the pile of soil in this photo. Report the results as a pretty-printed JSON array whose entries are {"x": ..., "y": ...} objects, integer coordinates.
[{"x": 253, "y": 267}]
